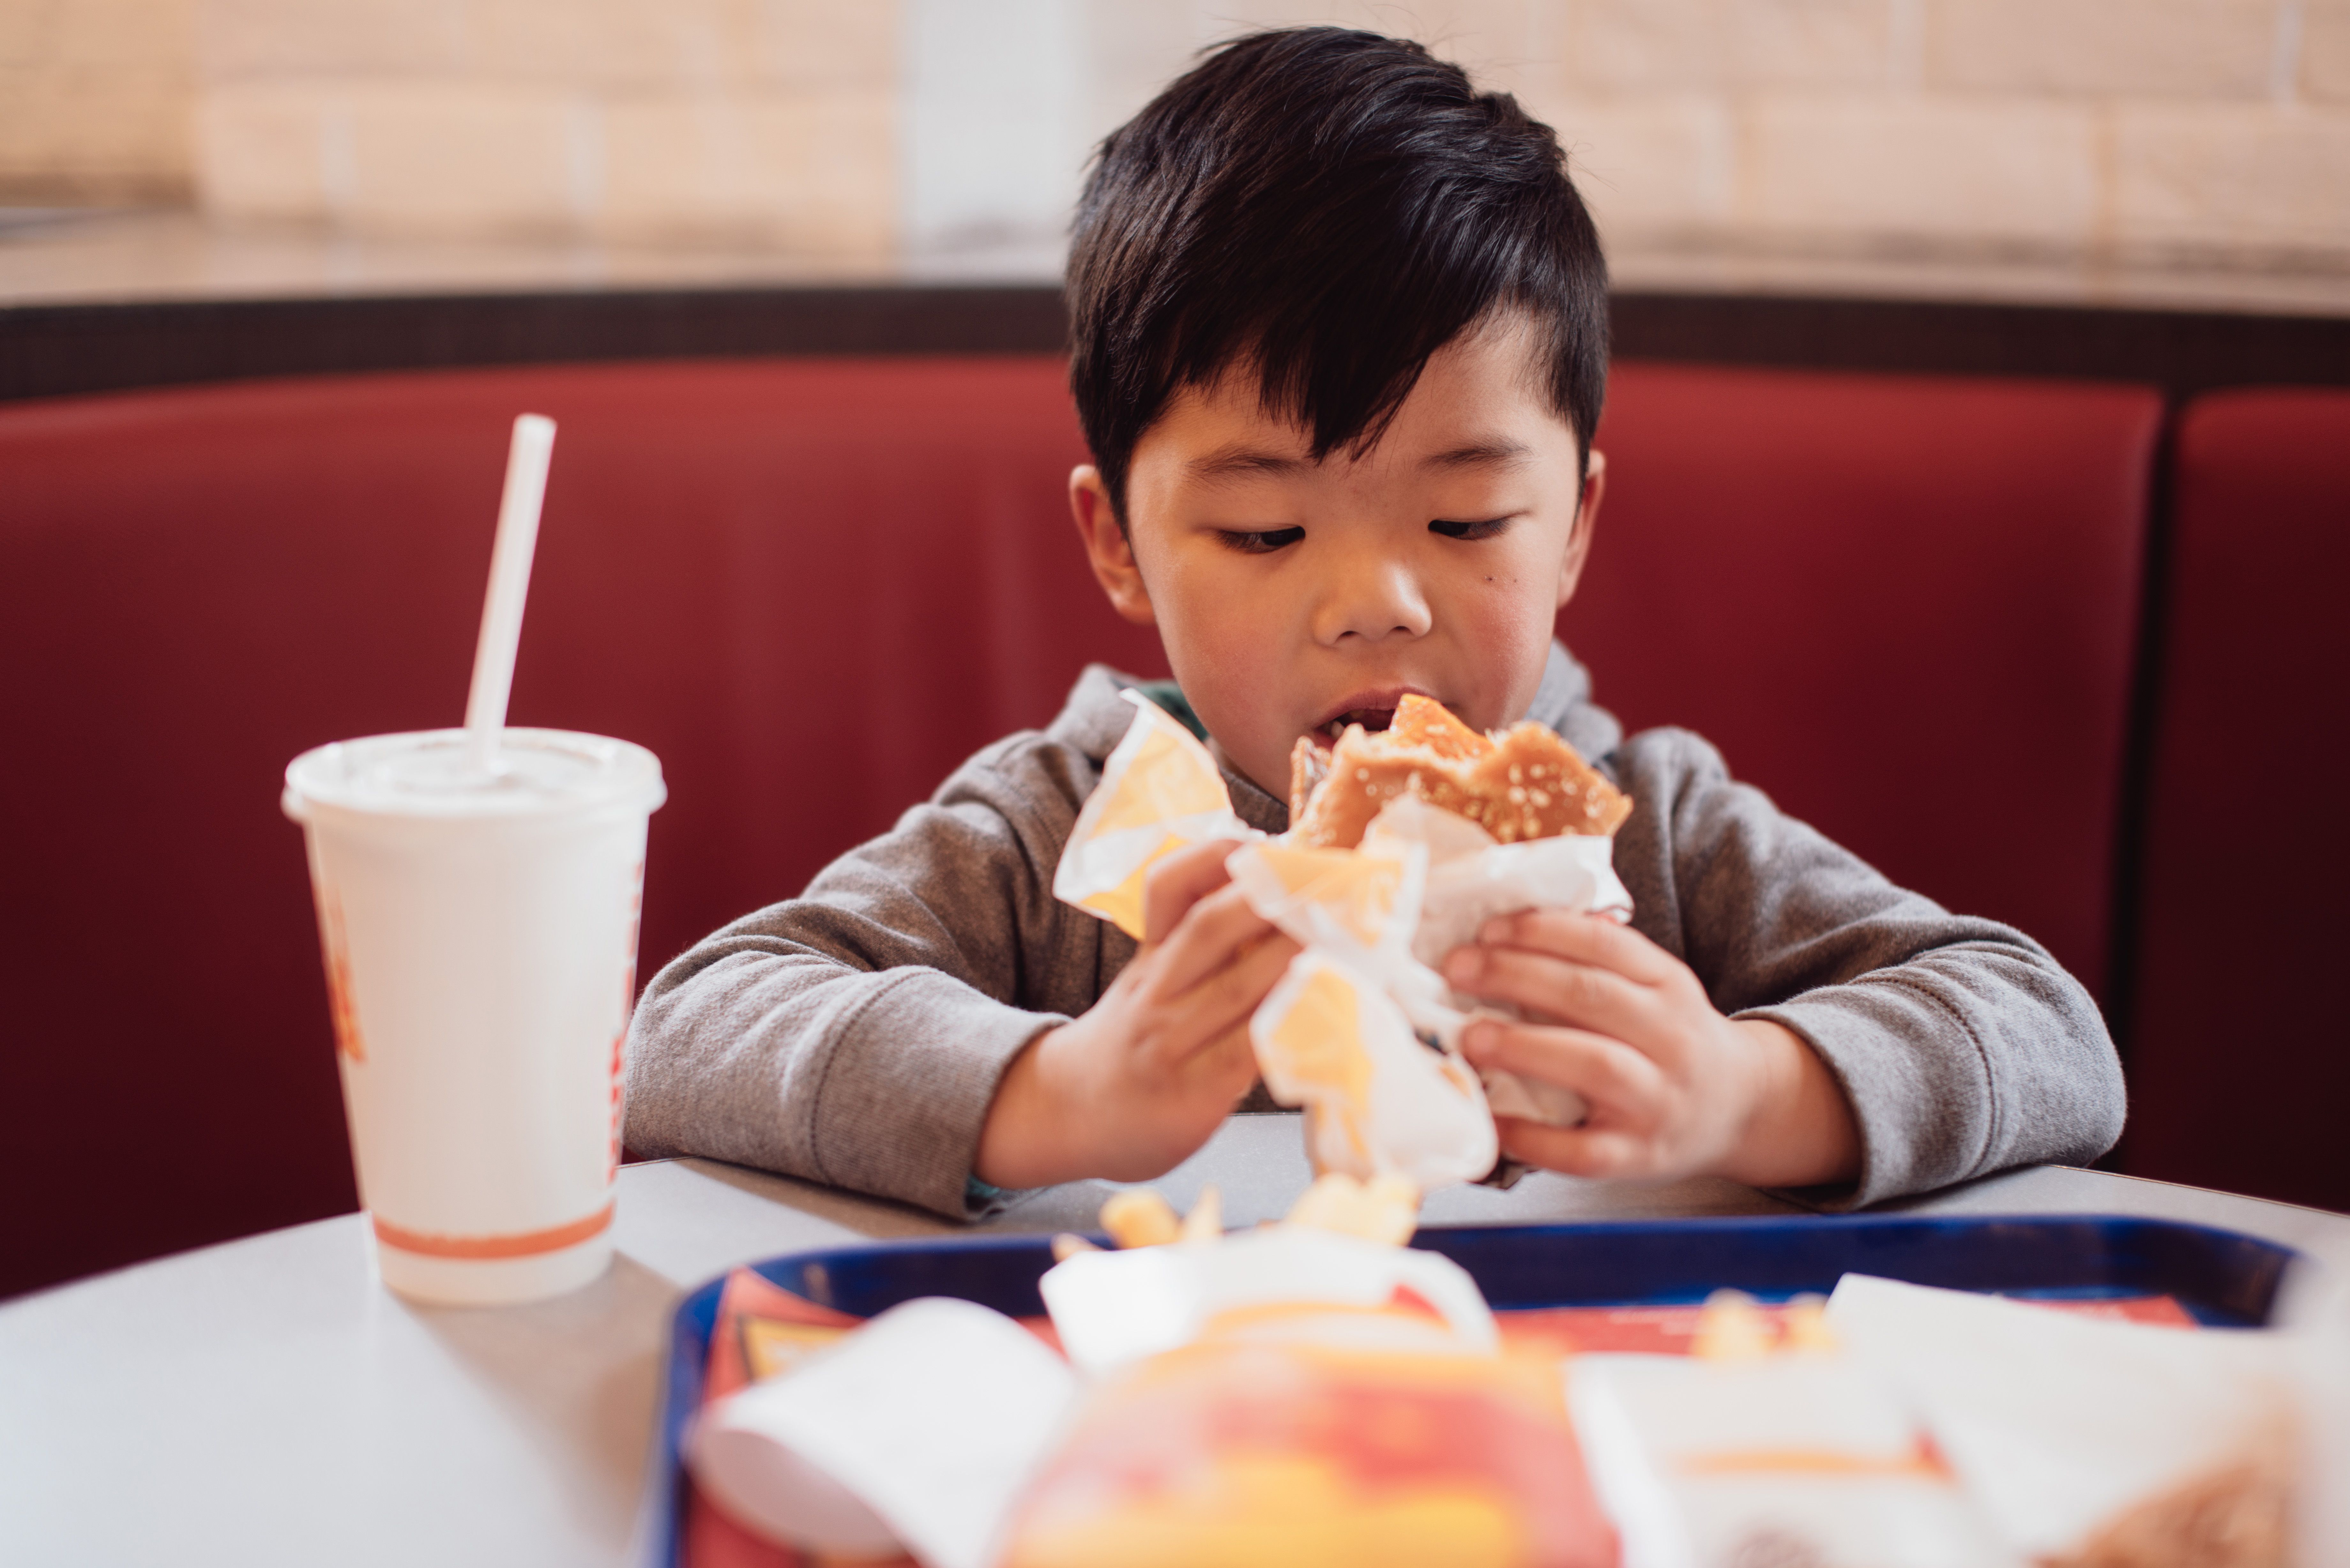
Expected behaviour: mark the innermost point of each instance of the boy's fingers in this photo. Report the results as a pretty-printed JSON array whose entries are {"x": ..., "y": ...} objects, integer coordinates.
[
  {"x": 1173, "y": 885},
  {"x": 1557, "y": 988},
  {"x": 1602, "y": 1071},
  {"x": 1228, "y": 1062},
  {"x": 1590, "y": 940},
  {"x": 1210, "y": 936},
  {"x": 1599, "y": 1152},
  {"x": 1225, "y": 999}
]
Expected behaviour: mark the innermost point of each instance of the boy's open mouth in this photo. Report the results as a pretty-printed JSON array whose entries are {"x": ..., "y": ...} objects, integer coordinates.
[{"x": 1327, "y": 735}]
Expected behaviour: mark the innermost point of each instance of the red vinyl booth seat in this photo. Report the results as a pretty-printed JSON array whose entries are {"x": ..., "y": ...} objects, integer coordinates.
[
  {"x": 1904, "y": 606},
  {"x": 813, "y": 587},
  {"x": 2240, "y": 1062}
]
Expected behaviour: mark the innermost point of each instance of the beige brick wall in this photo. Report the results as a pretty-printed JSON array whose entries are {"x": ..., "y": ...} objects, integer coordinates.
[
  {"x": 680, "y": 121},
  {"x": 94, "y": 99},
  {"x": 1725, "y": 44},
  {"x": 2150, "y": 131},
  {"x": 2251, "y": 180},
  {"x": 2186, "y": 48},
  {"x": 2204, "y": 132},
  {"x": 2325, "y": 52},
  {"x": 1979, "y": 170}
]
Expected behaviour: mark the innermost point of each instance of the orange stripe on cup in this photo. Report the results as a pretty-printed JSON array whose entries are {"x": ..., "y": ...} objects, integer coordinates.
[{"x": 529, "y": 1244}]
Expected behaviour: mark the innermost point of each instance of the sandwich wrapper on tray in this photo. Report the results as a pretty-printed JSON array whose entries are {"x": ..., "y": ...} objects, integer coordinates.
[
  {"x": 1307, "y": 1392},
  {"x": 1381, "y": 875}
]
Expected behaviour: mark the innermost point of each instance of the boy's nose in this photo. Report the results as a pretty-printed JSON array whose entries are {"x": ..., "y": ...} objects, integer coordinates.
[{"x": 1372, "y": 604}]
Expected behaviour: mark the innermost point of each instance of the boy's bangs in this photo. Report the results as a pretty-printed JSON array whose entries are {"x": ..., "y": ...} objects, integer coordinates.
[{"x": 1327, "y": 371}]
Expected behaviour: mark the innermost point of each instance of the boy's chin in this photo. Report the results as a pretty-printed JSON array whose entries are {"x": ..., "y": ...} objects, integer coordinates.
[{"x": 1278, "y": 787}]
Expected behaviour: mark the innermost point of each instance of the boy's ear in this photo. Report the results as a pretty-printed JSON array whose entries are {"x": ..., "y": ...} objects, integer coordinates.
[
  {"x": 1106, "y": 547},
  {"x": 1586, "y": 518}
]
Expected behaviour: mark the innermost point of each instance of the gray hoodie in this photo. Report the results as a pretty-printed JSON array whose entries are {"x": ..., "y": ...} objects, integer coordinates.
[{"x": 854, "y": 1035}]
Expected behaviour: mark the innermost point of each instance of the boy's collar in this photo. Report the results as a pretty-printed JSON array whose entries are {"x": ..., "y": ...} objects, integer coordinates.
[{"x": 1562, "y": 702}]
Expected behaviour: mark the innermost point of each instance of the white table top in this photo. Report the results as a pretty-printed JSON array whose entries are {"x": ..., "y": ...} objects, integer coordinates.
[{"x": 263, "y": 1401}]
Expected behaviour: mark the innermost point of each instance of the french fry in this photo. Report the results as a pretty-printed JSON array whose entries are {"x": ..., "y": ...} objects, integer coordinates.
[
  {"x": 1385, "y": 1208},
  {"x": 1730, "y": 1328},
  {"x": 1138, "y": 1217},
  {"x": 1206, "y": 1221},
  {"x": 1807, "y": 1326}
]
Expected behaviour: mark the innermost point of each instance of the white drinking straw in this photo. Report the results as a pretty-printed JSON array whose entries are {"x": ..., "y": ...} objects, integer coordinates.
[{"x": 494, "y": 656}]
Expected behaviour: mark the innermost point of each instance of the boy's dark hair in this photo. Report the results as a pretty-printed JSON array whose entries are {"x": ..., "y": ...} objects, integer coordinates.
[{"x": 1330, "y": 207}]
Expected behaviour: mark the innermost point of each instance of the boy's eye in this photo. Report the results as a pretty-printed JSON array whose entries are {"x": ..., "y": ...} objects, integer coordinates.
[
  {"x": 1261, "y": 544},
  {"x": 1488, "y": 529}
]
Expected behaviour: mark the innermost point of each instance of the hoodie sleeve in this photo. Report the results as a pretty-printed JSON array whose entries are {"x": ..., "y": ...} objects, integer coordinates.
[
  {"x": 1963, "y": 1047},
  {"x": 854, "y": 1035}
]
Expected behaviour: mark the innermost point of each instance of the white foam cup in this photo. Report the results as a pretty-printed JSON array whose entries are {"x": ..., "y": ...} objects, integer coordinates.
[{"x": 480, "y": 937}]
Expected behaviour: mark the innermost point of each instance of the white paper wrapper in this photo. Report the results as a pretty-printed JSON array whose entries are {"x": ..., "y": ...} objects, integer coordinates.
[
  {"x": 2058, "y": 1423},
  {"x": 1378, "y": 1100},
  {"x": 1362, "y": 1031},
  {"x": 1359, "y": 906},
  {"x": 2315, "y": 1312},
  {"x": 1469, "y": 880},
  {"x": 919, "y": 1428},
  {"x": 1801, "y": 1458},
  {"x": 1115, "y": 1308},
  {"x": 1161, "y": 792}
]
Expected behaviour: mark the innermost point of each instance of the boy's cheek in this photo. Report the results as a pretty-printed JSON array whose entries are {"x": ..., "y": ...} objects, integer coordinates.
[{"x": 1508, "y": 640}]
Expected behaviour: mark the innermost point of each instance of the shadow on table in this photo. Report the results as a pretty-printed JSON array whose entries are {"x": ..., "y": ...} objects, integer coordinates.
[{"x": 580, "y": 1375}]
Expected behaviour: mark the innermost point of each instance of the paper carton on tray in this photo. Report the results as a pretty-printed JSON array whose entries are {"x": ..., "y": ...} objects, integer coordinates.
[
  {"x": 1361, "y": 1031},
  {"x": 1283, "y": 1396}
]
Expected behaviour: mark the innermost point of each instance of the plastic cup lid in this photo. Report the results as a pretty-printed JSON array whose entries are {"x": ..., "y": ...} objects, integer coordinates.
[{"x": 430, "y": 773}]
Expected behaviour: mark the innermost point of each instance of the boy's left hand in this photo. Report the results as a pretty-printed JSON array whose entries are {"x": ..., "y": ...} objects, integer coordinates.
[{"x": 1675, "y": 1088}]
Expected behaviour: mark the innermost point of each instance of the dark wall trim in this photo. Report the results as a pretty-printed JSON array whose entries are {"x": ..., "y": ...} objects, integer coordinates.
[
  {"x": 57, "y": 351},
  {"x": 48, "y": 350},
  {"x": 2184, "y": 352}
]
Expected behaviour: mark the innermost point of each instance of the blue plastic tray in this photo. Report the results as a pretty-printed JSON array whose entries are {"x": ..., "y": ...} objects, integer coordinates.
[{"x": 2224, "y": 1279}]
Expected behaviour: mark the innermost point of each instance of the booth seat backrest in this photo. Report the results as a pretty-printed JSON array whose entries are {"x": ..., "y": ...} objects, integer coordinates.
[
  {"x": 812, "y": 587},
  {"x": 2239, "y": 1060},
  {"x": 1903, "y": 607}
]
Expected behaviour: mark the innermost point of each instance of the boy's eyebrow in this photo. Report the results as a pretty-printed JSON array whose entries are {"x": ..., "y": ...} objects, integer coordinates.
[
  {"x": 1498, "y": 452},
  {"x": 1233, "y": 461}
]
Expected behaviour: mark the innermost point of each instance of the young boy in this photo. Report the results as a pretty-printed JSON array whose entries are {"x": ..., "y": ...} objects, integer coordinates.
[{"x": 1339, "y": 342}]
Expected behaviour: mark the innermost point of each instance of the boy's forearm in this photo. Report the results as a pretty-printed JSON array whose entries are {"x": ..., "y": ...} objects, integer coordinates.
[
  {"x": 878, "y": 1082},
  {"x": 1801, "y": 1131}
]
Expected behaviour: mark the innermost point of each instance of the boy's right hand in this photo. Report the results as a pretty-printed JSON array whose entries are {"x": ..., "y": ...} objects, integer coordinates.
[{"x": 1137, "y": 1084}]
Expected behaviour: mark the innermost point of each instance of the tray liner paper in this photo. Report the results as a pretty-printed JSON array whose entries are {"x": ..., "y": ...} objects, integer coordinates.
[{"x": 764, "y": 1328}]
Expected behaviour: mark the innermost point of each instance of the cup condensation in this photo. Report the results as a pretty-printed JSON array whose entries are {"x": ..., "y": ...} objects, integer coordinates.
[{"x": 480, "y": 940}]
